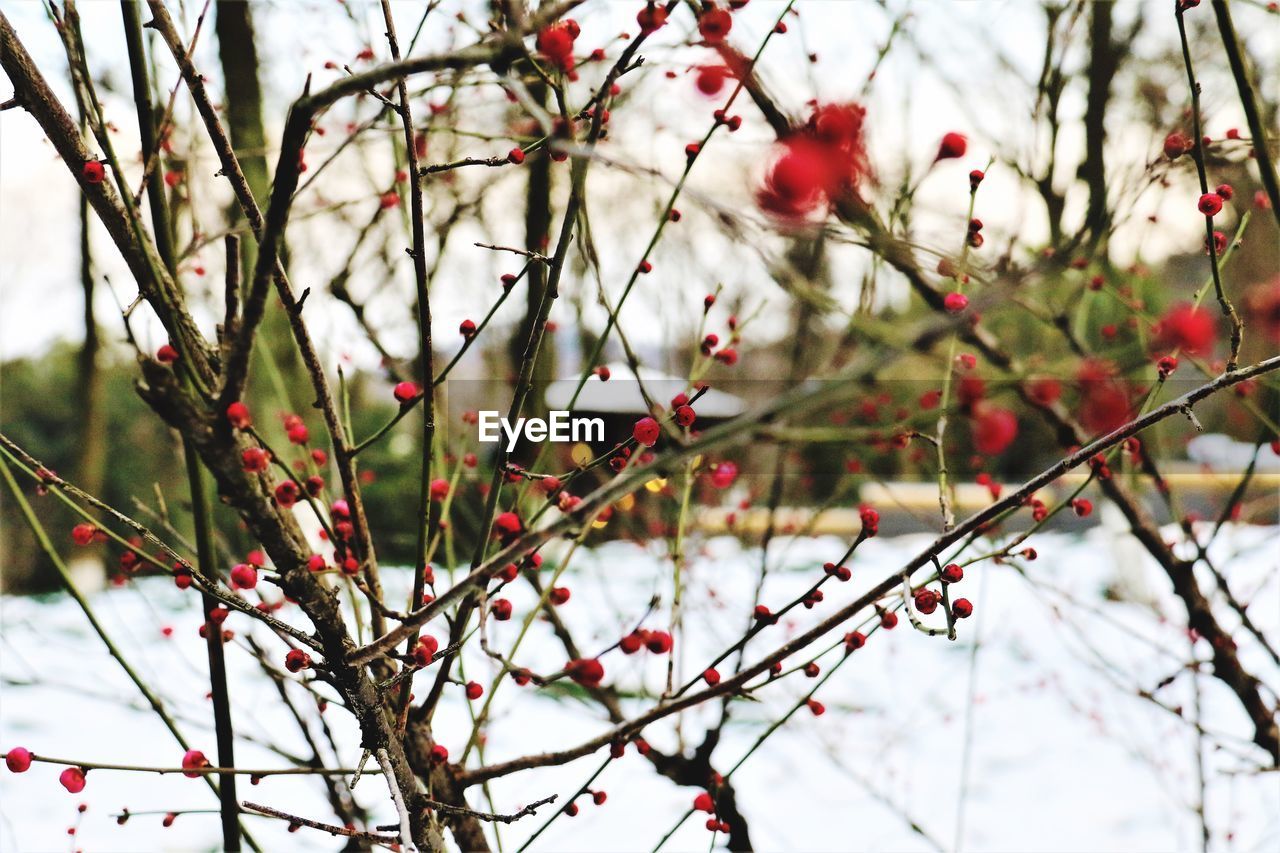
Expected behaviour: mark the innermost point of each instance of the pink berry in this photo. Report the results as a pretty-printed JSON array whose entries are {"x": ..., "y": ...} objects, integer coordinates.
[
  {"x": 72, "y": 779},
  {"x": 18, "y": 759}
]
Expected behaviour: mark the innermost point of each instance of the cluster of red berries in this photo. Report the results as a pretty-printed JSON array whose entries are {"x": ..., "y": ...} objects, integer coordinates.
[
  {"x": 425, "y": 650},
  {"x": 704, "y": 802},
  {"x": 598, "y": 797},
  {"x": 815, "y": 167},
  {"x": 658, "y": 642},
  {"x": 870, "y": 521},
  {"x": 555, "y": 44}
]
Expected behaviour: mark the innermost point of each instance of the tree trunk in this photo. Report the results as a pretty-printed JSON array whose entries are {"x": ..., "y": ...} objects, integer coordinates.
[{"x": 238, "y": 55}]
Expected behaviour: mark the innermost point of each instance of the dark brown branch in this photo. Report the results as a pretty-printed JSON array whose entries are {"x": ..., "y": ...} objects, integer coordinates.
[{"x": 342, "y": 831}]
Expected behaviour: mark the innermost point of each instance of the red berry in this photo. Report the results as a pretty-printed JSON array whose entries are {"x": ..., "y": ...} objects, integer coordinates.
[
  {"x": 439, "y": 754},
  {"x": 651, "y": 18},
  {"x": 951, "y": 573},
  {"x": 166, "y": 354},
  {"x": 18, "y": 759},
  {"x": 555, "y": 43},
  {"x": 962, "y": 608},
  {"x": 501, "y": 609},
  {"x": 244, "y": 576},
  {"x": 723, "y": 475},
  {"x": 1187, "y": 327},
  {"x": 1175, "y": 145},
  {"x": 1210, "y": 204},
  {"x": 474, "y": 690},
  {"x": 870, "y": 521},
  {"x": 254, "y": 460},
  {"x": 1082, "y": 507},
  {"x": 685, "y": 416},
  {"x": 296, "y": 660},
  {"x": 93, "y": 171},
  {"x": 840, "y": 573},
  {"x": 439, "y": 489},
  {"x": 955, "y": 302},
  {"x": 926, "y": 600},
  {"x": 559, "y": 595},
  {"x": 710, "y": 79},
  {"x": 515, "y": 155},
  {"x": 84, "y": 534},
  {"x": 467, "y": 328},
  {"x": 586, "y": 671},
  {"x": 238, "y": 415},
  {"x": 72, "y": 779},
  {"x": 646, "y": 432},
  {"x": 405, "y": 391},
  {"x": 425, "y": 650},
  {"x": 714, "y": 24},
  {"x": 711, "y": 676},
  {"x": 704, "y": 803},
  {"x": 287, "y": 493},
  {"x": 953, "y": 145},
  {"x": 1224, "y": 192},
  {"x": 507, "y": 525},
  {"x": 994, "y": 429},
  {"x": 659, "y": 642},
  {"x": 193, "y": 759},
  {"x": 854, "y": 640}
]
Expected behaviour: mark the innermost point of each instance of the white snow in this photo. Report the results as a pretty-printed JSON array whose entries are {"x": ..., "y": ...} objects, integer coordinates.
[{"x": 1064, "y": 755}]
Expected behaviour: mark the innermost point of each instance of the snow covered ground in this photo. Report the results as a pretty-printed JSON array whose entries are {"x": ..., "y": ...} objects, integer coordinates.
[{"x": 1062, "y": 754}]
